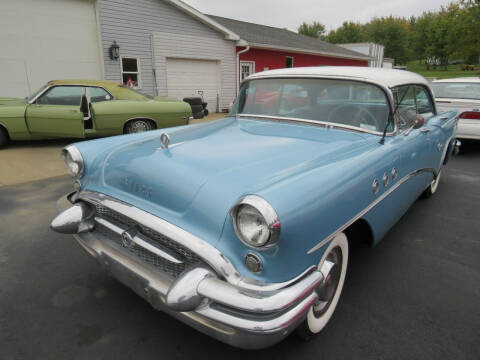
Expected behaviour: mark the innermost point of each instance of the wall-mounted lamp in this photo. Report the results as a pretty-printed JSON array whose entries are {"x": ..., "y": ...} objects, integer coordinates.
[{"x": 114, "y": 51}]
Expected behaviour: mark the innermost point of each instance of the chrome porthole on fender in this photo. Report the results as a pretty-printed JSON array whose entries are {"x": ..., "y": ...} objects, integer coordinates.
[
  {"x": 394, "y": 174},
  {"x": 385, "y": 179},
  {"x": 375, "y": 186}
]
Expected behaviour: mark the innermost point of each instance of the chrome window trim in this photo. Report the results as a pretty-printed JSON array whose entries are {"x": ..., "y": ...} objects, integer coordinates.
[
  {"x": 372, "y": 205},
  {"x": 101, "y": 87},
  {"x": 386, "y": 90},
  {"x": 73, "y": 84},
  {"x": 204, "y": 250},
  {"x": 319, "y": 123}
]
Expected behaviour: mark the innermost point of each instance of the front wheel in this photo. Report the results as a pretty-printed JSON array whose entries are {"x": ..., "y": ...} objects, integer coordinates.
[{"x": 333, "y": 265}]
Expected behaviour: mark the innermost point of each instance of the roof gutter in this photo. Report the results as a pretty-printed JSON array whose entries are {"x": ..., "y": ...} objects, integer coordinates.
[
  {"x": 247, "y": 48},
  {"x": 312, "y": 52}
]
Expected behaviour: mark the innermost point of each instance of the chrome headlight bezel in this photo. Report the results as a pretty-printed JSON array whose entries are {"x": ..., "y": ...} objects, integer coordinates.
[
  {"x": 269, "y": 215},
  {"x": 70, "y": 154}
]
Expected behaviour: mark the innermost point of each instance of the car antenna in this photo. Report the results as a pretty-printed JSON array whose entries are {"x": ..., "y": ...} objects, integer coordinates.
[{"x": 390, "y": 118}]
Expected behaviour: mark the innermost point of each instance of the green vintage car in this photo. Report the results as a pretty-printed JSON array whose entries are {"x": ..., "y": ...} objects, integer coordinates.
[{"x": 86, "y": 109}]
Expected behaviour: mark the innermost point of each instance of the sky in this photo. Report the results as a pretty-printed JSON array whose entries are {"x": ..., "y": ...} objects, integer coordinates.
[{"x": 290, "y": 14}]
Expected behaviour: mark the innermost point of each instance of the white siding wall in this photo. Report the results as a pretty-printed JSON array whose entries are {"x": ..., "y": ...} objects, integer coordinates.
[
  {"x": 133, "y": 23},
  {"x": 196, "y": 47}
]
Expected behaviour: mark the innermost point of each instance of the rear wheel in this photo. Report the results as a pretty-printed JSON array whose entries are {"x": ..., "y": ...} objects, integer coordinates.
[
  {"x": 137, "y": 126},
  {"x": 3, "y": 137},
  {"x": 333, "y": 265}
]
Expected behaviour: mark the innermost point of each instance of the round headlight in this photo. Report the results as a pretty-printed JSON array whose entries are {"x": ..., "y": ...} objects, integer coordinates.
[
  {"x": 255, "y": 222},
  {"x": 252, "y": 226},
  {"x": 74, "y": 161}
]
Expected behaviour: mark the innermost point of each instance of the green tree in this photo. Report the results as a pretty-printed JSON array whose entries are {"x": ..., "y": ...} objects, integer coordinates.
[
  {"x": 466, "y": 33},
  {"x": 393, "y": 33},
  {"x": 315, "y": 29},
  {"x": 349, "y": 32}
]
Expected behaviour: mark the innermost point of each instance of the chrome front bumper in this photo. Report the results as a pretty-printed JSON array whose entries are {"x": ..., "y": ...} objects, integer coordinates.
[{"x": 238, "y": 312}]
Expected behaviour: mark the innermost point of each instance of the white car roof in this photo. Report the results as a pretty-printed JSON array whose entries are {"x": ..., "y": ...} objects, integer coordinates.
[
  {"x": 472, "y": 79},
  {"x": 387, "y": 77}
]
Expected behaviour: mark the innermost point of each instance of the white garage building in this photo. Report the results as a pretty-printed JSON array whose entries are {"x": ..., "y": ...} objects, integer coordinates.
[
  {"x": 47, "y": 40},
  {"x": 166, "y": 47}
]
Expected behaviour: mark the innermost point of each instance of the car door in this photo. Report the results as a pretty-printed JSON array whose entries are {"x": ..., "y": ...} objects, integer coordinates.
[
  {"x": 100, "y": 101},
  {"x": 57, "y": 113},
  {"x": 437, "y": 130}
]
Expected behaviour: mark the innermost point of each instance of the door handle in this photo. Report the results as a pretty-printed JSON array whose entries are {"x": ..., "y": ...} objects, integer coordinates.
[
  {"x": 74, "y": 111},
  {"x": 424, "y": 131}
]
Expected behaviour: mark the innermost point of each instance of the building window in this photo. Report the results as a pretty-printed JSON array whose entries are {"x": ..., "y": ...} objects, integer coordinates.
[
  {"x": 247, "y": 68},
  {"x": 131, "y": 72},
  {"x": 288, "y": 61}
]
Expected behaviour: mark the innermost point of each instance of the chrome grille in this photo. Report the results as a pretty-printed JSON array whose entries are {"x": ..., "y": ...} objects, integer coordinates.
[{"x": 154, "y": 238}]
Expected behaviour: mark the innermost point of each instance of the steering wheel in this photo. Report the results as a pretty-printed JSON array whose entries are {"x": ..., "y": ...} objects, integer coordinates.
[{"x": 360, "y": 116}]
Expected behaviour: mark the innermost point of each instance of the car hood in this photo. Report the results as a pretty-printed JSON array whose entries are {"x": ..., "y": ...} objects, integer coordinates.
[
  {"x": 11, "y": 101},
  {"x": 207, "y": 168}
]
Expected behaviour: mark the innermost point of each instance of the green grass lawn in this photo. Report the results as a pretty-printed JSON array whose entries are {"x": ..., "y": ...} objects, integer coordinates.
[{"x": 453, "y": 71}]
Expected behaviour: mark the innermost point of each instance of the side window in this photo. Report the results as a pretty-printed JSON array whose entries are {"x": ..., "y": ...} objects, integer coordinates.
[
  {"x": 62, "y": 95},
  {"x": 424, "y": 104},
  {"x": 131, "y": 72},
  {"x": 405, "y": 102},
  {"x": 98, "y": 94}
]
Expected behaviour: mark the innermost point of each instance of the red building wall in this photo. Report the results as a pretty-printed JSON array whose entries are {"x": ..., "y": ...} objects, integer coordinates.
[{"x": 274, "y": 59}]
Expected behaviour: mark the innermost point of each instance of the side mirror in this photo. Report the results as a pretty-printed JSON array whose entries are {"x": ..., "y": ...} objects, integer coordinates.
[{"x": 419, "y": 122}]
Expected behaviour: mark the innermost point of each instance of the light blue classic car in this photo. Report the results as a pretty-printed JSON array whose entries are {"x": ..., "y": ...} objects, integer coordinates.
[{"x": 241, "y": 227}]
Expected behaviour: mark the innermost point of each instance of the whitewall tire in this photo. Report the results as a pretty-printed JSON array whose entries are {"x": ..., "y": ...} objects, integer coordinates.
[{"x": 321, "y": 312}]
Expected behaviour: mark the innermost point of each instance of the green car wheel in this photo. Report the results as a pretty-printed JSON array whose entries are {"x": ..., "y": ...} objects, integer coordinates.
[{"x": 137, "y": 126}]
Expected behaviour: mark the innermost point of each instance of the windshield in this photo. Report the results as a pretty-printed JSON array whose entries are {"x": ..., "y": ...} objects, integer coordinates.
[
  {"x": 342, "y": 102},
  {"x": 36, "y": 93},
  {"x": 457, "y": 90}
]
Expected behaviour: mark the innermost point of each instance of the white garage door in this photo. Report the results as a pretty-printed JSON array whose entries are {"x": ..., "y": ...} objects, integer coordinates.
[
  {"x": 46, "y": 40},
  {"x": 186, "y": 77}
]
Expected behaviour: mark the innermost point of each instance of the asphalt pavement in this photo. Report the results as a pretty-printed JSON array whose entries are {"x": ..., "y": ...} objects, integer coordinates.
[{"x": 414, "y": 296}]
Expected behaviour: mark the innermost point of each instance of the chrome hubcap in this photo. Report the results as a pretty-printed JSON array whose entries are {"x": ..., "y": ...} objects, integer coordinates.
[
  {"x": 139, "y": 126},
  {"x": 331, "y": 270}
]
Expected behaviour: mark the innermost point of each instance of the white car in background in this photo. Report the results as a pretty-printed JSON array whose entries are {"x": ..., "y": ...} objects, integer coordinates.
[{"x": 462, "y": 94}]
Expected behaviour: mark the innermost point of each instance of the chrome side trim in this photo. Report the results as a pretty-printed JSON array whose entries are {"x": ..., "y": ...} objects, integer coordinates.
[
  {"x": 316, "y": 122},
  {"x": 207, "y": 252},
  {"x": 373, "y": 204}
]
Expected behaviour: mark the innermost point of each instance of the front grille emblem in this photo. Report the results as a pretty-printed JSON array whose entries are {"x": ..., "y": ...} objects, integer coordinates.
[{"x": 128, "y": 238}]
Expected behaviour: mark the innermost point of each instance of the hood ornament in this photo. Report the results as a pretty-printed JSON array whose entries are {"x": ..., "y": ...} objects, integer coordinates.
[{"x": 165, "y": 140}]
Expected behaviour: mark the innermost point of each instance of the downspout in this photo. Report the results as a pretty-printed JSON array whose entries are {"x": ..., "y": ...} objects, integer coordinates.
[{"x": 247, "y": 48}]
